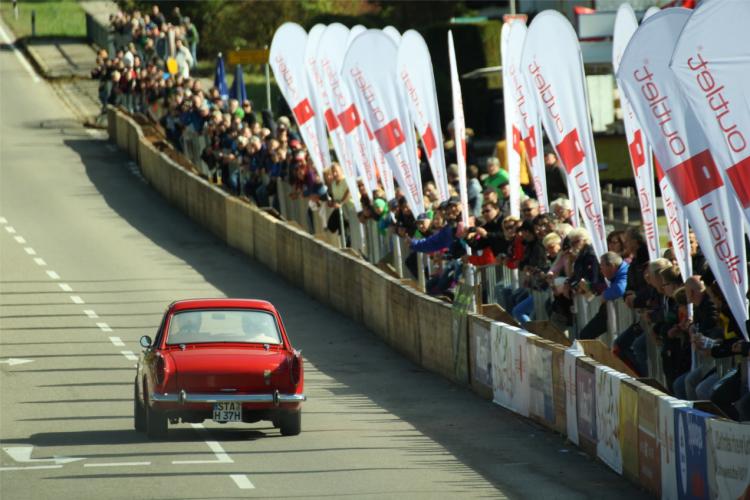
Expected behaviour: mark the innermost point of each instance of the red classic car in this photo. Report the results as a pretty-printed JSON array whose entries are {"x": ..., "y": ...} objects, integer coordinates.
[{"x": 229, "y": 360}]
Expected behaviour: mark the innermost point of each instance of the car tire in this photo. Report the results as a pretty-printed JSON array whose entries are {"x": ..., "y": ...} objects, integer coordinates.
[
  {"x": 139, "y": 412},
  {"x": 156, "y": 423},
  {"x": 291, "y": 423}
]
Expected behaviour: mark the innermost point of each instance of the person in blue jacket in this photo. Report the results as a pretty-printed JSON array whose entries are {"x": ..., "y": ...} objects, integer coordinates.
[{"x": 615, "y": 269}]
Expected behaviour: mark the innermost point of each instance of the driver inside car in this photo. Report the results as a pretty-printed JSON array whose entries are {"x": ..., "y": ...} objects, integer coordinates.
[{"x": 187, "y": 327}]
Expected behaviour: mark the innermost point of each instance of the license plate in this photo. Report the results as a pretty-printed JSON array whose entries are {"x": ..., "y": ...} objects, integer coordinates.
[{"x": 228, "y": 412}]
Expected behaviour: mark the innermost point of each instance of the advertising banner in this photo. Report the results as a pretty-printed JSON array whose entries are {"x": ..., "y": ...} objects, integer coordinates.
[
  {"x": 376, "y": 87},
  {"x": 667, "y": 445},
  {"x": 649, "y": 452},
  {"x": 586, "y": 404},
  {"x": 522, "y": 121},
  {"x": 608, "y": 449},
  {"x": 482, "y": 350},
  {"x": 287, "y": 60},
  {"x": 728, "y": 458},
  {"x": 628, "y": 433},
  {"x": 509, "y": 368},
  {"x": 691, "y": 453},
  {"x": 418, "y": 80},
  {"x": 343, "y": 112},
  {"x": 677, "y": 224},
  {"x": 553, "y": 69},
  {"x": 541, "y": 398},
  {"x": 571, "y": 407},
  {"x": 682, "y": 150},
  {"x": 459, "y": 129},
  {"x": 641, "y": 158}
]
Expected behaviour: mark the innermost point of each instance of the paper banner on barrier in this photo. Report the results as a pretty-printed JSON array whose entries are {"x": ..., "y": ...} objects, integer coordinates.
[
  {"x": 649, "y": 454},
  {"x": 682, "y": 150},
  {"x": 287, "y": 59},
  {"x": 712, "y": 65},
  {"x": 416, "y": 75},
  {"x": 728, "y": 459},
  {"x": 322, "y": 102},
  {"x": 641, "y": 158},
  {"x": 586, "y": 404},
  {"x": 691, "y": 453},
  {"x": 571, "y": 413},
  {"x": 523, "y": 123},
  {"x": 541, "y": 394},
  {"x": 553, "y": 69},
  {"x": 377, "y": 88},
  {"x": 510, "y": 382},
  {"x": 344, "y": 112},
  {"x": 629, "y": 429},
  {"x": 459, "y": 130},
  {"x": 667, "y": 445},
  {"x": 482, "y": 349},
  {"x": 608, "y": 417}
]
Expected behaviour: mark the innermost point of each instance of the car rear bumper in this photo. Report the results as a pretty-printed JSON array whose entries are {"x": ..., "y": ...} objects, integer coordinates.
[{"x": 275, "y": 398}]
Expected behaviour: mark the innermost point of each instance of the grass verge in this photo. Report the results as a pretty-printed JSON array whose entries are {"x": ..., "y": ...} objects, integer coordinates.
[{"x": 53, "y": 18}]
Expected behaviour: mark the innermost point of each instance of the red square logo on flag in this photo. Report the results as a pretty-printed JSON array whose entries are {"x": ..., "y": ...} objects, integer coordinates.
[
  {"x": 369, "y": 132},
  {"x": 331, "y": 120},
  {"x": 530, "y": 143},
  {"x": 349, "y": 118},
  {"x": 695, "y": 177},
  {"x": 428, "y": 140},
  {"x": 517, "y": 140},
  {"x": 570, "y": 150},
  {"x": 637, "y": 154},
  {"x": 391, "y": 136},
  {"x": 739, "y": 176},
  {"x": 303, "y": 111},
  {"x": 659, "y": 170}
]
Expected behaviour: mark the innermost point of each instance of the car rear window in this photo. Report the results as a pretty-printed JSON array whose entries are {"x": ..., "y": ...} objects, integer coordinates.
[{"x": 231, "y": 325}]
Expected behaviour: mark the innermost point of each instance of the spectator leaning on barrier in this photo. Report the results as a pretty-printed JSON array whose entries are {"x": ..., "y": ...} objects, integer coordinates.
[{"x": 615, "y": 270}]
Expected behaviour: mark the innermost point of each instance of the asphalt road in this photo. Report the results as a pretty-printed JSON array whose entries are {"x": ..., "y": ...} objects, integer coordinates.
[{"x": 90, "y": 257}]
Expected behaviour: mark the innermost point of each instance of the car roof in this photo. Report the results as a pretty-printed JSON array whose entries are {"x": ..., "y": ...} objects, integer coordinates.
[{"x": 182, "y": 305}]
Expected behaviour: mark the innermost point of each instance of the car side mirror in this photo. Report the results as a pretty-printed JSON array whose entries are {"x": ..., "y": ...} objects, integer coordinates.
[{"x": 145, "y": 341}]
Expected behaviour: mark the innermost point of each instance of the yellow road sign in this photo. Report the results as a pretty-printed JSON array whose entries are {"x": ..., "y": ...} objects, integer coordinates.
[{"x": 247, "y": 56}]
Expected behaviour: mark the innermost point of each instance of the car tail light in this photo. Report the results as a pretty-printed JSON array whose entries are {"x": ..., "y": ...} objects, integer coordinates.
[{"x": 296, "y": 371}]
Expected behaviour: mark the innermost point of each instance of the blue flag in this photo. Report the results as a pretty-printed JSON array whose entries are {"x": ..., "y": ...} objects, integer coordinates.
[
  {"x": 220, "y": 81},
  {"x": 238, "y": 90}
]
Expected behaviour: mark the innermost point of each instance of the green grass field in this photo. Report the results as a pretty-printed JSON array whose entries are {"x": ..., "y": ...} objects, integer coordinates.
[{"x": 53, "y": 18}]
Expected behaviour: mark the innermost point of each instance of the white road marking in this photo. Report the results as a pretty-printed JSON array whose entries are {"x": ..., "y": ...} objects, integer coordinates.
[
  {"x": 22, "y": 454},
  {"x": 129, "y": 355},
  {"x": 53, "y": 275},
  {"x": 10, "y": 229},
  {"x": 18, "y": 55},
  {"x": 40, "y": 261},
  {"x": 242, "y": 481},
  {"x": 104, "y": 327},
  {"x": 90, "y": 313},
  {"x": 3, "y": 220},
  {"x": 117, "y": 341},
  {"x": 118, "y": 464},
  {"x": 29, "y": 250},
  {"x": 33, "y": 467},
  {"x": 76, "y": 299},
  {"x": 20, "y": 239},
  {"x": 15, "y": 361},
  {"x": 65, "y": 287},
  {"x": 221, "y": 455}
]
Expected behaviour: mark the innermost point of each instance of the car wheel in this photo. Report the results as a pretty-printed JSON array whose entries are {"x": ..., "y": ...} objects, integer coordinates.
[
  {"x": 139, "y": 413},
  {"x": 156, "y": 423},
  {"x": 291, "y": 423}
]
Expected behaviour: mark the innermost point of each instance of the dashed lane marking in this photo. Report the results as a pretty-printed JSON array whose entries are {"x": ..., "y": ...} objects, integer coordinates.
[
  {"x": 10, "y": 229},
  {"x": 117, "y": 341},
  {"x": 76, "y": 299},
  {"x": 65, "y": 287},
  {"x": 104, "y": 327},
  {"x": 20, "y": 239},
  {"x": 32, "y": 467},
  {"x": 3, "y": 220},
  {"x": 29, "y": 250},
  {"x": 90, "y": 313},
  {"x": 53, "y": 275},
  {"x": 221, "y": 455},
  {"x": 130, "y": 355},
  {"x": 40, "y": 261},
  {"x": 117, "y": 464},
  {"x": 242, "y": 481}
]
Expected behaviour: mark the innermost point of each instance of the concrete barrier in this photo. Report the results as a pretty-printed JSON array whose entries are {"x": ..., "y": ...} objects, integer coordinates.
[
  {"x": 403, "y": 320},
  {"x": 112, "y": 123},
  {"x": 480, "y": 355},
  {"x": 147, "y": 155},
  {"x": 122, "y": 131},
  {"x": 442, "y": 351},
  {"x": 216, "y": 210},
  {"x": 541, "y": 381},
  {"x": 264, "y": 234},
  {"x": 239, "y": 226},
  {"x": 344, "y": 284},
  {"x": 134, "y": 134},
  {"x": 290, "y": 255},
  {"x": 375, "y": 290},
  {"x": 558, "y": 386},
  {"x": 602, "y": 354},
  {"x": 315, "y": 262}
]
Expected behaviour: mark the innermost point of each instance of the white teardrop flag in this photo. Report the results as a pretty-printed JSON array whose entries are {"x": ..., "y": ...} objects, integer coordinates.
[{"x": 459, "y": 129}]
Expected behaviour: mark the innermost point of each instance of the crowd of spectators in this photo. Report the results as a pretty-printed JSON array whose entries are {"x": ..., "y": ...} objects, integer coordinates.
[{"x": 253, "y": 156}]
